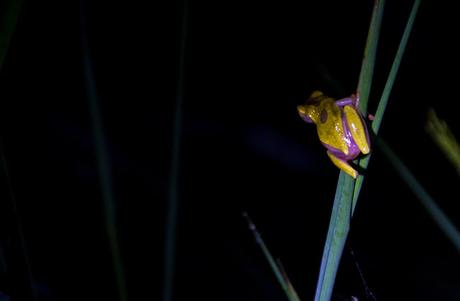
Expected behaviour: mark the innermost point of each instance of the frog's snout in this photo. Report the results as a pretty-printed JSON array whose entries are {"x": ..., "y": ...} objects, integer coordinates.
[
  {"x": 303, "y": 114},
  {"x": 301, "y": 110}
]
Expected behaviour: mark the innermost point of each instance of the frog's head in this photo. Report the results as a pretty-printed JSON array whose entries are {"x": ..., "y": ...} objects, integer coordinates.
[{"x": 310, "y": 110}]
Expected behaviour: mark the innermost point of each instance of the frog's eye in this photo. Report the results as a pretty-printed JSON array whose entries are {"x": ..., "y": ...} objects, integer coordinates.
[
  {"x": 315, "y": 98},
  {"x": 323, "y": 116},
  {"x": 316, "y": 94}
]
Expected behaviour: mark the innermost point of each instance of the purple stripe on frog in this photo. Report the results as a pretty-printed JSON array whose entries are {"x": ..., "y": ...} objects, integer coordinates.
[{"x": 353, "y": 150}]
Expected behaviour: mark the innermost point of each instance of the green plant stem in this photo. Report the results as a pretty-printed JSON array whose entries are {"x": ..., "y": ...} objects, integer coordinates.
[
  {"x": 370, "y": 53},
  {"x": 103, "y": 163},
  {"x": 394, "y": 69},
  {"x": 427, "y": 201},
  {"x": 339, "y": 224},
  {"x": 8, "y": 21},
  {"x": 376, "y": 123},
  {"x": 280, "y": 275},
  {"x": 171, "y": 215},
  {"x": 348, "y": 189},
  {"x": 9, "y": 15}
]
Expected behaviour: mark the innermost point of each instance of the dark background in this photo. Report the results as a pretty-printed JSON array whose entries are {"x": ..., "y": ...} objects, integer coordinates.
[{"x": 248, "y": 64}]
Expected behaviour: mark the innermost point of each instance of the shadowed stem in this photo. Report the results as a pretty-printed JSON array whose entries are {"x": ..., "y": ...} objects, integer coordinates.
[
  {"x": 276, "y": 266},
  {"x": 9, "y": 15},
  {"x": 8, "y": 21},
  {"x": 102, "y": 161},
  {"x": 19, "y": 231},
  {"x": 430, "y": 205},
  {"x": 363, "y": 162},
  {"x": 171, "y": 215}
]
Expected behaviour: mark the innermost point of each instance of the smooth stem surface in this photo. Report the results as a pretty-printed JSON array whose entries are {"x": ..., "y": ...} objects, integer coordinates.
[
  {"x": 364, "y": 162},
  {"x": 339, "y": 224},
  {"x": 336, "y": 237},
  {"x": 370, "y": 53}
]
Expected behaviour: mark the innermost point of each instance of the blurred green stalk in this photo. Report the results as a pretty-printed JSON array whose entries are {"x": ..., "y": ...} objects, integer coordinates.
[
  {"x": 9, "y": 15},
  {"x": 427, "y": 201},
  {"x": 171, "y": 214},
  {"x": 103, "y": 160},
  {"x": 364, "y": 162},
  {"x": 280, "y": 274},
  {"x": 443, "y": 137},
  {"x": 348, "y": 189},
  {"x": 339, "y": 224}
]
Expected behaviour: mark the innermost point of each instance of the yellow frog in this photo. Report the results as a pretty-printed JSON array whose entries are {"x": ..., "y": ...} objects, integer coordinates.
[{"x": 341, "y": 128}]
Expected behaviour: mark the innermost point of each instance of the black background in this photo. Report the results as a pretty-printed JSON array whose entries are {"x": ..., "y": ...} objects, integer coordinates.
[{"x": 248, "y": 64}]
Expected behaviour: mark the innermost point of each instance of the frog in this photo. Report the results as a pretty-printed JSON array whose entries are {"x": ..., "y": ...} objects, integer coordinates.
[{"x": 341, "y": 128}]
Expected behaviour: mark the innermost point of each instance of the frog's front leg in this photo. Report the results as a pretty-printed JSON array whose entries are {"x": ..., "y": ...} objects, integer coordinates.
[{"x": 343, "y": 165}]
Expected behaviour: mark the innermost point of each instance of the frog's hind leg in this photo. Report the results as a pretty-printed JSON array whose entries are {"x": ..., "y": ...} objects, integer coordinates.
[
  {"x": 343, "y": 165},
  {"x": 357, "y": 128}
]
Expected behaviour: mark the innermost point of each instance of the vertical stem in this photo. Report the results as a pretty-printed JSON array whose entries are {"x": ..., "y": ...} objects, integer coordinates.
[
  {"x": 339, "y": 227},
  {"x": 370, "y": 53},
  {"x": 440, "y": 218},
  {"x": 24, "y": 271},
  {"x": 8, "y": 22},
  {"x": 171, "y": 216},
  {"x": 102, "y": 161},
  {"x": 394, "y": 68},
  {"x": 9, "y": 15}
]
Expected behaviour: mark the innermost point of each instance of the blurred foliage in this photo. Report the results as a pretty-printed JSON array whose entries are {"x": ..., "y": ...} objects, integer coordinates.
[{"x": 443, "y": 137}]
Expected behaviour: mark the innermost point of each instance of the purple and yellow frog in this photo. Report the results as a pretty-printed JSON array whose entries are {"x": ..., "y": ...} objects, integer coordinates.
[{"x": 341, "y": 128}]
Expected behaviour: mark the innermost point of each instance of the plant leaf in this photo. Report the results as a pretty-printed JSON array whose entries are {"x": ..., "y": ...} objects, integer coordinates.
[
  {"x": 430, "y": 205},
  {"x": 339, "y": 224},
  {"x": 8, "y": 19},
  {"x": 276, "y": 267},
  {"x": 363, "y": 162}
]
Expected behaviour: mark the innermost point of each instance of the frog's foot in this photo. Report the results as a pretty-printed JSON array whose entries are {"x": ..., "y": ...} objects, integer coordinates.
[
  {"x": 343, "y": 165},
  {"x": 370, "y": 117}
]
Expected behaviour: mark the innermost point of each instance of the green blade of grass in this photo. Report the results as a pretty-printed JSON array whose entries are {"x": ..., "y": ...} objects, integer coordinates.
[
  {"x": 370, "y": 52},
  {"x": 444, "y": 138},
  {"x": 364, "y": 162},
  {"x": 339, "y": 224},
  {"x": 336, "y": 236},
  {"x": 8, "y": 21},
  {"x": 280, "y": 274},
  {"x": 348, "y": 189},
  {"x": 9, "y": 15},
  {"x": 394, "y": 69},
  {"x": 102, "y": 160},
  {"x": 173, "y": 193},
  {"x": 427, "y": 201}
]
